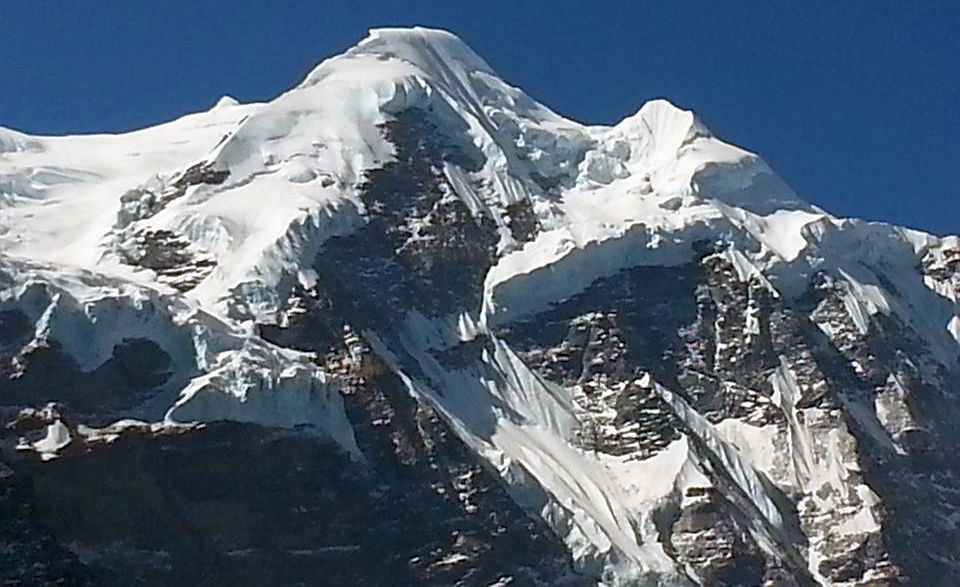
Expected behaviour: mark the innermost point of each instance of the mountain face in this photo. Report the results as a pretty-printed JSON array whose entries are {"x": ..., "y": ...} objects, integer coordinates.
[{"x": 403, "y": 325}]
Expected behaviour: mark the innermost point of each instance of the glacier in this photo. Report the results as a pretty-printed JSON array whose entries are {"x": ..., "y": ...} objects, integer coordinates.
[{"x": 204, "y": 234}]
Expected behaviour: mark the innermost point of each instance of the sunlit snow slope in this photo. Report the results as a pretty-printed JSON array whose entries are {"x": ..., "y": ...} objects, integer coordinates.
[{"x": 689, "y": 373}]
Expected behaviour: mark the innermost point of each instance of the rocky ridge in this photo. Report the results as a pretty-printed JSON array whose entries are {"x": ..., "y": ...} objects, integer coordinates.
[{"x": 406, "y": 305}]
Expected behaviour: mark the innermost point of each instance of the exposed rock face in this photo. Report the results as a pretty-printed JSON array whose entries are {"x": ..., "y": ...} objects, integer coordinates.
[
  {"x": 143, "y": 203},
  {"x": 422, "y": 246},
  {"x": 31, "y": 554},
  {"x": 172, "y": 258},
  {"x": 405, "y": 326},
  {"x": 176, "y": 261},
  {"x": 715, "y": 339},
  {"x": 36, "y": 374},
  {"x": 239, "y": 504}
]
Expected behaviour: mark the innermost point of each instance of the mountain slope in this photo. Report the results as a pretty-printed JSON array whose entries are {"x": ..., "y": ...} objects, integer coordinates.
[{"x": 567, "y": 353}]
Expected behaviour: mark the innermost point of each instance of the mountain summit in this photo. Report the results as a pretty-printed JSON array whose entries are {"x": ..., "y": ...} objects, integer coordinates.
[{"x": 404, "y": 313}]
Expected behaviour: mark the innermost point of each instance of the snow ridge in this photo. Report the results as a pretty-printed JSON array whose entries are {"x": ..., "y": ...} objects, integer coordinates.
[{"x": 196, "y": 233}]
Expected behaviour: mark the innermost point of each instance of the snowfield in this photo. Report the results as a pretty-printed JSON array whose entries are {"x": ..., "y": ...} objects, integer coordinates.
[{"x": 248, "y": 194}]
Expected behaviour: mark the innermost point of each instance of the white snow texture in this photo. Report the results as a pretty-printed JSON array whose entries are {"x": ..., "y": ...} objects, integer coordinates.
[{"x": 640, "y": 192}]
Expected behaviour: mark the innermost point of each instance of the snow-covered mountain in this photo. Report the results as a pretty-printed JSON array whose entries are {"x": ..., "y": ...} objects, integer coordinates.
[{"x": 405, "y": 325}]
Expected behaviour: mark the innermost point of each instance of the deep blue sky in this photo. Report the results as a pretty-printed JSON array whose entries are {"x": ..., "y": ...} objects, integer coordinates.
[{"x": 855, "y": 103}]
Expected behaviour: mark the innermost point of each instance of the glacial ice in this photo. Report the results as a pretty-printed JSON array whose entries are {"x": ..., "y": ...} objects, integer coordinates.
[{"x": 641, "y": 192}]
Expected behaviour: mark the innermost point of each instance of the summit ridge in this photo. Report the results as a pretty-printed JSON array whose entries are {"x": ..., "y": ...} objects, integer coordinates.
[{"x": 570, "y": 354}]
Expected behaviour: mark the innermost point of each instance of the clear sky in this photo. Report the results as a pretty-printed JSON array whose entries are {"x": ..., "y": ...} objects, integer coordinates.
[{"x": 855, "y": 103}]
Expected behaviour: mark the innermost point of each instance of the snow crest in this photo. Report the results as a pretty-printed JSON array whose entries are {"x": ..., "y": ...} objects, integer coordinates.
[{"x": 191, "y": 233}]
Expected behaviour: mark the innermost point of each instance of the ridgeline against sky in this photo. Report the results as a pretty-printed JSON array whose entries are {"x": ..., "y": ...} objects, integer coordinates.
[{"x": 853, "y": 103}]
